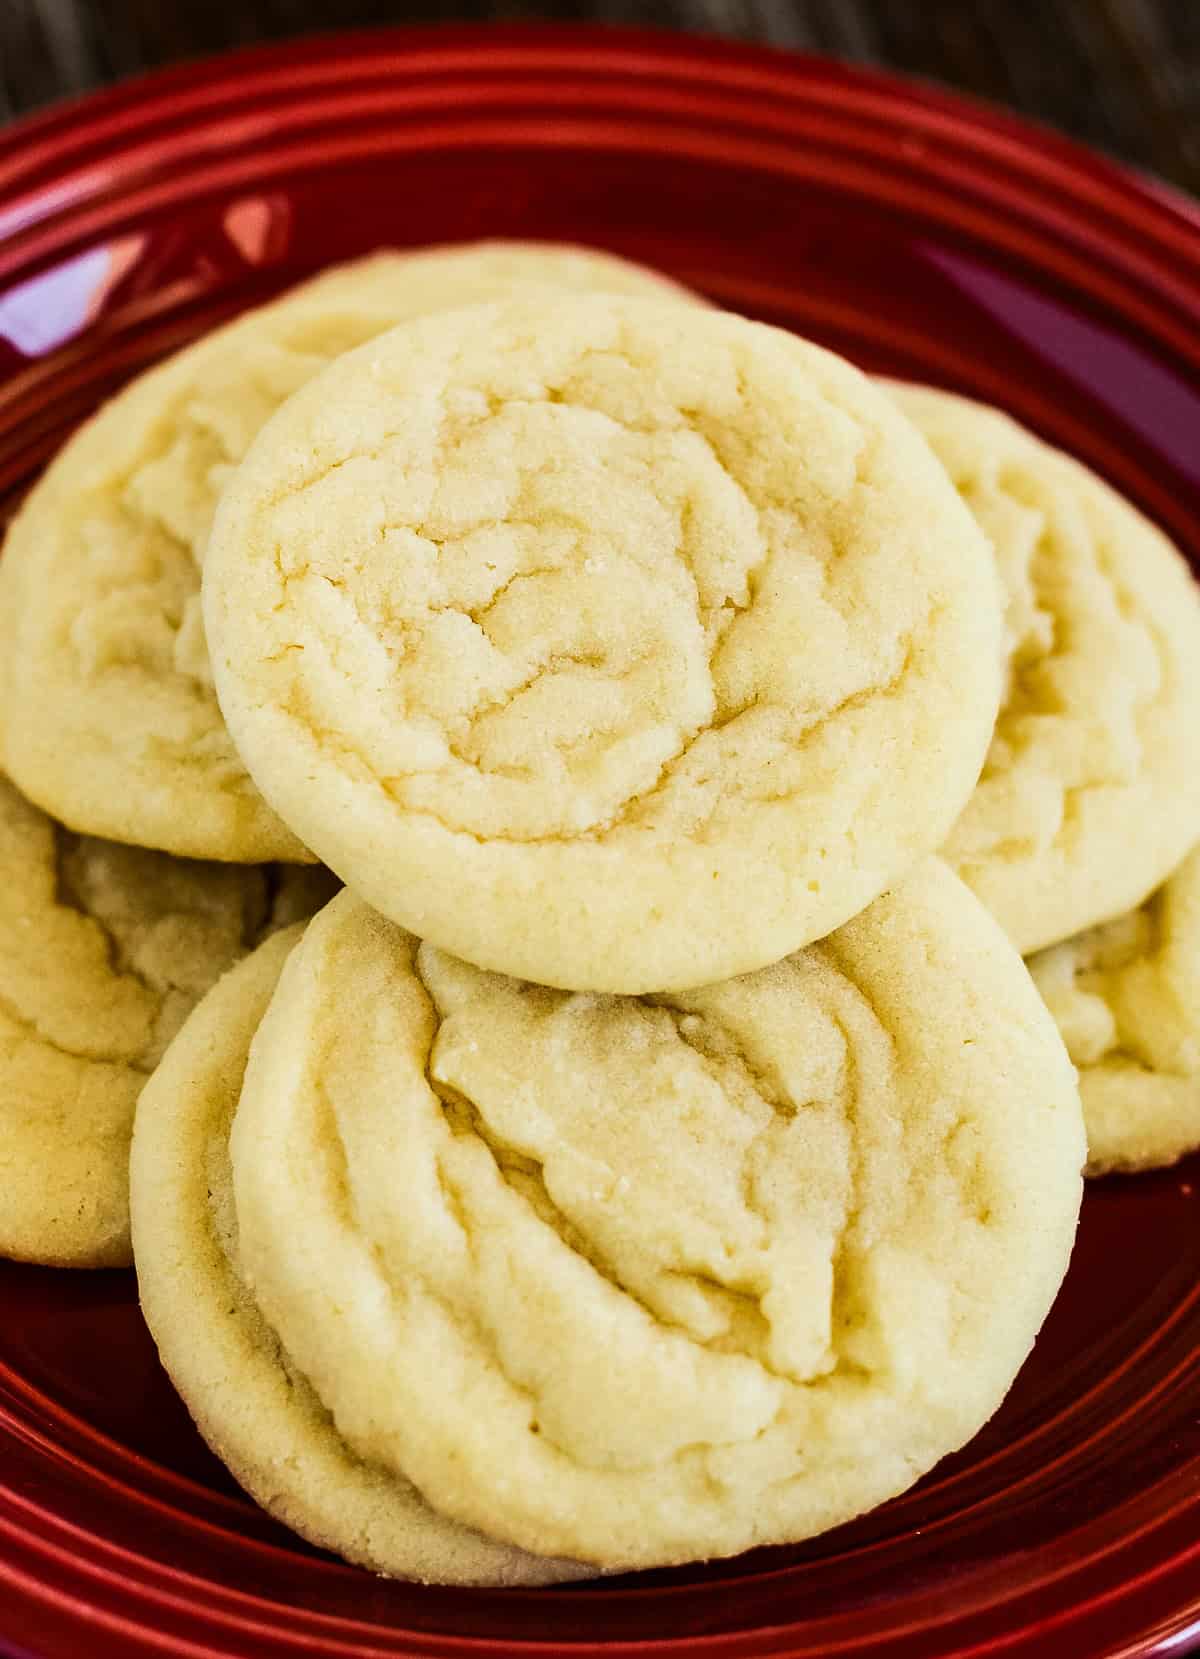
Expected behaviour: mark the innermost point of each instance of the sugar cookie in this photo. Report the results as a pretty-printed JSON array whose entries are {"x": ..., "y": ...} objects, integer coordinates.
[
  {"x": 617, "y": 645},
  {"x": 1091, "y": 792},
  {"x": 635, "y": 1281},
  {"x": 1126, "y": 996},
  {"x": 104, "y": 950}
]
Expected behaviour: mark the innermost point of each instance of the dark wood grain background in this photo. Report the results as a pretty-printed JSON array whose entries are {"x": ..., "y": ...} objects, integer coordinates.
[{"x": 1120, "y": 74}]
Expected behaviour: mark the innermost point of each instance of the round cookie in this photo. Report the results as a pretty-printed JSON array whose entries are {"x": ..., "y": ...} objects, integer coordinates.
[
  {"x": 111, "y": 722},
  {"x": 1090, "y": 795},
  {"x": 642, "y": 1281},
  {"x": 104, "y": 950},
  {"x": 1126, "y": 996},
  {"x": 614, "y": 645},
  {"x": 253, "y": 1407}
]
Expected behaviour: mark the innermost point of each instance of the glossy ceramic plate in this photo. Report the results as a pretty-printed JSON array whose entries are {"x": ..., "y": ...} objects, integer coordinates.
[{"x": 919, "y": 235}]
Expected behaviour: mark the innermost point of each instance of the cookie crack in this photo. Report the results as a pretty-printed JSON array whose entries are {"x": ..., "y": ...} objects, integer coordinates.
[
  {"x": 1025, "y": 699},
  {"x": 634, "y": 808},
  {"x": 524, "y": 1173},
  {"x": 67, "y": 896},
  {"x": 345, "y": 1207},
  {"x": 841, "y": 1298},
  {"x": 465, "y": 1120},
  {"x": 32, "y": 1029},
  {"x": 689, "y": 1027},
  {"x": 624, "y": 818}
]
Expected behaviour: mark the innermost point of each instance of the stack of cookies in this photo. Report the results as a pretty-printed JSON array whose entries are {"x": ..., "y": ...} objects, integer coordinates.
[{"x": 655, "y": 1149}]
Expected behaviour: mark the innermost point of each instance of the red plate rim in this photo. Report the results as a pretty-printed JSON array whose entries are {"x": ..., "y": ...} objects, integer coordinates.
[{"x": 765, "y": 90}]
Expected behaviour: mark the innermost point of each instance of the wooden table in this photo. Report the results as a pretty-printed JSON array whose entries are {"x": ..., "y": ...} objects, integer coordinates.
[{"x": 1120, "y": 74}]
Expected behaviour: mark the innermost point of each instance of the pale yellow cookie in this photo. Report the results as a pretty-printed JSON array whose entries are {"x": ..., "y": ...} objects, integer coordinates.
[
  {"x": 104, "y": 950},
  {"x": 249, "y": 1401},
  {"x": 1091, "y": 791},
  {"x": 110, "y": 719},
  {"x": 617, "y": 645},
  {"x": 1126, "y": 996},
  {"x": 642, "y": 1281}
]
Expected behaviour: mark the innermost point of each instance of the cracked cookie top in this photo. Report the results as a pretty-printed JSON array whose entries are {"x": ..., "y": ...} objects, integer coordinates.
[
  {"x": 1126, "y": 996},
  {"x": 1090, "y": 795},
  {"x": 112, "y": 723},
  {"x": 616, "y": 645},
  {"x": 632, "y": 1281},
  {"x": 104, "y": 951}
]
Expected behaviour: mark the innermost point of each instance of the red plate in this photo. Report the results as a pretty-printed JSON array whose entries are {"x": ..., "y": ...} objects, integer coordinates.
[{"x": 919, "y": 235}]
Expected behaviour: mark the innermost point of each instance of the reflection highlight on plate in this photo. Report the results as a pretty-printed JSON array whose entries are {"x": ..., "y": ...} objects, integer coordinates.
[{"x": 43, "y": 313}]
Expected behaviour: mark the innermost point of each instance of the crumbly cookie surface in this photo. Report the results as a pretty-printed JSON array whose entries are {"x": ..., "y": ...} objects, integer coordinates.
[
  {"x": 636, "y": 1281},
  {"x": 1090, "y": 795},
  {"x": 1126, "y": 996},
  {"x": 104, "y": 950},
  {"x": 610, "y": 644},
  {"x": 249, "y": 1401},
  {"x": 111, "y": 722}
]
